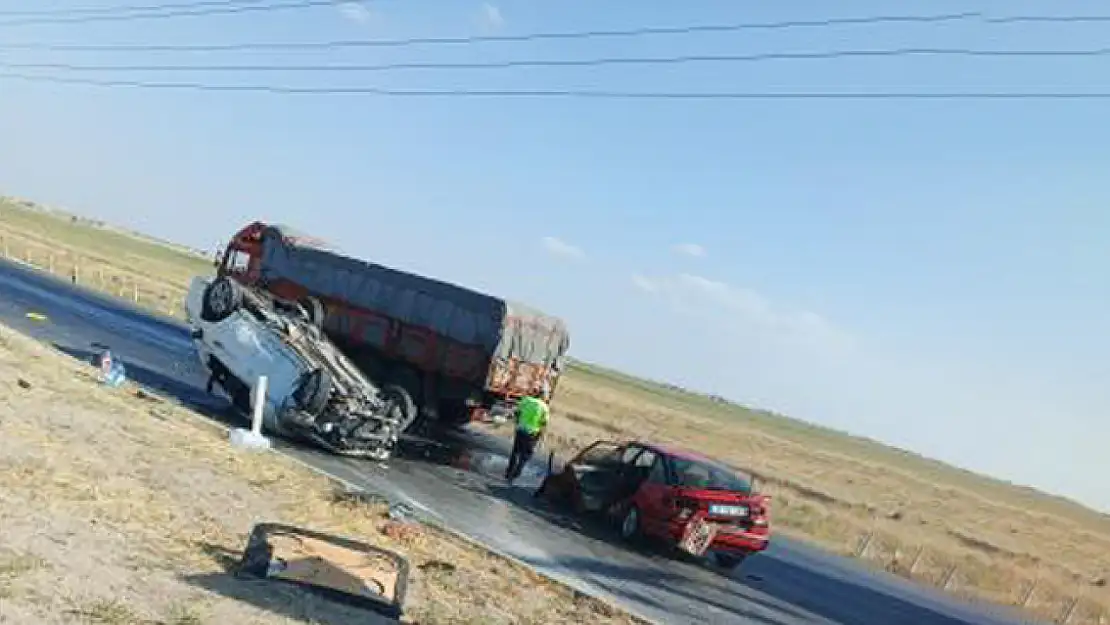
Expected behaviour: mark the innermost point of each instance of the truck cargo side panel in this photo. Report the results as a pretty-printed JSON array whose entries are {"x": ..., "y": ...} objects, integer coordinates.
[
  {"x": 465, "y": 316},
  {"x": 439, "y": 327}
]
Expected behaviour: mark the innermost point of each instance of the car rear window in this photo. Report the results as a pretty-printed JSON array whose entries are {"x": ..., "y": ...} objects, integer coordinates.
[{"x": 706, "y": 476}]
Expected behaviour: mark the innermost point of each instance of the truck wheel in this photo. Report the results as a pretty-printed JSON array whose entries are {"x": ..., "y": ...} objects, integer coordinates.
[
  {"x": 313, "y": 392},
  {"x": 405, "y": 377},
  {"x": 454, "y": 413},
  {"x": 220, "y": 300},
  {"x": 401, "y": 406}
]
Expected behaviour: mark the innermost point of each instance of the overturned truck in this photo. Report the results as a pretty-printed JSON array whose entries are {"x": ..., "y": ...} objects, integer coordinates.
[{"x": 461, "y": 354}]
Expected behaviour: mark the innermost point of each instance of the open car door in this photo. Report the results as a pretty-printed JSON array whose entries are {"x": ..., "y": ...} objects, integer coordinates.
[{"x": 587, "y": 480}]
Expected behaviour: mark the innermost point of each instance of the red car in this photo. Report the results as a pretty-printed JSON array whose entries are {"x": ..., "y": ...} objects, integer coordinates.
[{"x": 680, "y": 497}]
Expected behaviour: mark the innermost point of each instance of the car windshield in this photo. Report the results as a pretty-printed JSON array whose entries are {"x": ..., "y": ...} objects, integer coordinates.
[{"x": 707, "y": 476}]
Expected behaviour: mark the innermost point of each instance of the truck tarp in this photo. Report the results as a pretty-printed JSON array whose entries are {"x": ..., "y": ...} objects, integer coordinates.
[{"x": 505, "y": 330}]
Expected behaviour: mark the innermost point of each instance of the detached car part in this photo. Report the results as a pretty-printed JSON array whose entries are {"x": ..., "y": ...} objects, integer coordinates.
[{"x": 342, "y": 569}]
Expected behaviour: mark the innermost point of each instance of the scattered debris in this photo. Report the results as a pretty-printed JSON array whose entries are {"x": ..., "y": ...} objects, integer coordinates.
[
  {"x": 405, "y": 533},
  {"x": 342, "y": 569},
  {"x": 401, "y": 512},
  {"x": 353, "y": 496},
  {"x": 438, "y": 566},
  {"x": 141, "y": 394},
  {"x": 112, "y": 371}
]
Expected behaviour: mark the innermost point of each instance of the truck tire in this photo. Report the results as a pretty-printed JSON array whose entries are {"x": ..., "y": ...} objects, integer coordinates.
[
  {"x": 222, "y": 298},
  {"x": 313, "y": 392},
  {"x": 407, "y": 378},
  {"x": 401, "y": 404},
  {"x": 454, "y": 413}
]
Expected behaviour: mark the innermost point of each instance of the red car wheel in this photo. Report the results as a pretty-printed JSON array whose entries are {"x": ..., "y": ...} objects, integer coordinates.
[{"x": 630, "y": 525}]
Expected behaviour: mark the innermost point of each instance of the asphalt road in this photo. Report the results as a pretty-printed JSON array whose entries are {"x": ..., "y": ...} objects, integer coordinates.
[{"x": 456, "y": 484}]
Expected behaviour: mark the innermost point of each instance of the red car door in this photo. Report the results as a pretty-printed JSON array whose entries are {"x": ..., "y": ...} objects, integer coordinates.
[{"x": 653, "y": 495}]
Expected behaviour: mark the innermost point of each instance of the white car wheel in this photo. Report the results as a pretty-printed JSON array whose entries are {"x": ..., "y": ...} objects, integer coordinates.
[{"x": 220, "y": 297}]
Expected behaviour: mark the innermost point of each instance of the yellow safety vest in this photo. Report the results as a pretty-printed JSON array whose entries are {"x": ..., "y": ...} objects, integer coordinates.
[{"x": 531, "y": 415}]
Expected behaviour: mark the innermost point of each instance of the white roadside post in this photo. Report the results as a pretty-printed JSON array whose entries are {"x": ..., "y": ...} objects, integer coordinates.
[
  {"x": 253, "y": 438},
  {"x": 259, "y": 405}
]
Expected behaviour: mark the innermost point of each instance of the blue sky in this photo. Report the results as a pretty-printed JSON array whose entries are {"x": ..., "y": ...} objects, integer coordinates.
[{"x": 928, "y": 273}]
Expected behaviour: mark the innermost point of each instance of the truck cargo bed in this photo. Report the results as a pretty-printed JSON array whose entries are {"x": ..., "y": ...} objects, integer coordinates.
[{"x": 505, "y": 331}]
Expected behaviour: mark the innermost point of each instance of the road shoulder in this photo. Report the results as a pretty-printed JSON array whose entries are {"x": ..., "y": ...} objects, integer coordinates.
[{"x": 119, "y": 507}]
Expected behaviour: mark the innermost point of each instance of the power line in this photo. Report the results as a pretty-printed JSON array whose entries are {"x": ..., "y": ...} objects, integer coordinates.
[
  {"x": 589, "y": 34},
  {"x": 197, "y": 4},
  {"x": 591, "y": 62},
  {"x": 633, "y": 32},
  {"x": 188, "y": 10},
  {"x": 567, "y": 93},
  {"x": 216, "y": 7},
  {"x": 127, "y": 8},
  {"x": 1054, "y": 19}
]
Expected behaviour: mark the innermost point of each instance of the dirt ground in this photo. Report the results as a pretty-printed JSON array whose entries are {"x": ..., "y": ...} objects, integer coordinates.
[
  {"x": 118, "y": 508},
  {"x": 915, "y": 517}
]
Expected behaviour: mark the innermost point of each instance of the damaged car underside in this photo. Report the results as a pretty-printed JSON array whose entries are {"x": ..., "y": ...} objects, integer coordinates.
[{"x": 313, "y": 391}]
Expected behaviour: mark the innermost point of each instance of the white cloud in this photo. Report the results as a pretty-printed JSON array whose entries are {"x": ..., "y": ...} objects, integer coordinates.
[
  {"x": 355, "y": 11},
  {"x": 644, "y": 284},
  {"x": 558, "y": 247},
  {"x": 745, "y": 311},
  {"x": 492, "y": 15},
  {"x": 690, "y": 249}
]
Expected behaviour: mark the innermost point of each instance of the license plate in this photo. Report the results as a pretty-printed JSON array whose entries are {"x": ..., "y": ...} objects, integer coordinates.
[{"x": 727, "y": 510}]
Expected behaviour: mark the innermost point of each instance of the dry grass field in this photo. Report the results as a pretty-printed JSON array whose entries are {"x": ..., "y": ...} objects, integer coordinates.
[
  {"x": 120, "y": 509},
  {"x": 918, "y": 518}
]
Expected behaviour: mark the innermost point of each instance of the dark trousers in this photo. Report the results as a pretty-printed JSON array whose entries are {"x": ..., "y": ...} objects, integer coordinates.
[{"x": 524, "y": 445}]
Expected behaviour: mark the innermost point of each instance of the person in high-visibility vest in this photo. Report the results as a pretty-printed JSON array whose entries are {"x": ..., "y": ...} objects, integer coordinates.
[{"x": 531, "y": 420}]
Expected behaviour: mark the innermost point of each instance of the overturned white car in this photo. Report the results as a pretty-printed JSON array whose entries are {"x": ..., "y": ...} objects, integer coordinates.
[{"x": 314, "y": 392}]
